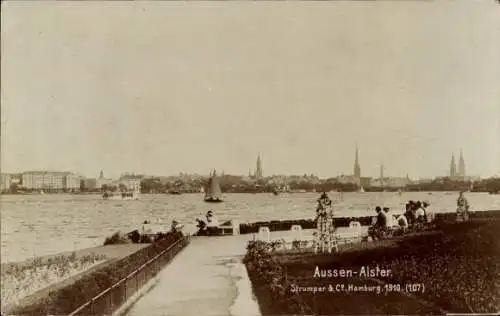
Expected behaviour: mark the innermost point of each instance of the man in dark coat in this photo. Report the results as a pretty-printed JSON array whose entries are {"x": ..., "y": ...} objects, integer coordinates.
[{"x": 377, "y": 231}]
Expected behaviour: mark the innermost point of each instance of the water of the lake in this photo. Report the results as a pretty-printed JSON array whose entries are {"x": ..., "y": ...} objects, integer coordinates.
[{"x": 35, "y": 225}]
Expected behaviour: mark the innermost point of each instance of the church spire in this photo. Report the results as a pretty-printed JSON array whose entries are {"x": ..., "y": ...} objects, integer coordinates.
[
  {"x": 382, "y": 175},
  {"x": 258, "y": 170},
  {"x": 357, "y": 168},
  {"x": 453, "y": 167},
  {"x": 461, "y": 165}
]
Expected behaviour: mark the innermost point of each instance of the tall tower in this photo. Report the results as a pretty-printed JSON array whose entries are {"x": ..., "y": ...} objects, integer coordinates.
[
  {"x": 357, "y": 168},
  {"x": 382, "y": 175},
  {"x": 461, "y": 165},
  {"x": 258, "y": 170},
  {"x": 453, "y": 167},
  {"x": 101, "y": 175}
]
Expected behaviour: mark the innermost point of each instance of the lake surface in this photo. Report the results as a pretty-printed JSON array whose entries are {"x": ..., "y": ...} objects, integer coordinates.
[{"x": 36, "y": 225}]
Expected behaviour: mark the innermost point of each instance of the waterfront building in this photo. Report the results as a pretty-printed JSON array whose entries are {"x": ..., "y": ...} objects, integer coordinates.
[
  {"x": 131, "y": 182},
  {"x": 348, "y": 179},
  {"x": 5, "y": 182},
  {"x": 90, "y": 184},
  {"x": 102, "y": 181},
  {"x": 50, "y": 181},
  {"x": 72, "y": 182}
]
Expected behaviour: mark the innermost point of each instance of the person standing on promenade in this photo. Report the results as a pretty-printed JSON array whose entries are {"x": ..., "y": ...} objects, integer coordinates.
[
  {"x": 325, "y": 232},
  {"x": 462, "y": 208},
  {"x": 429, "y": 215},
  {"x": 419, "y": 213}
]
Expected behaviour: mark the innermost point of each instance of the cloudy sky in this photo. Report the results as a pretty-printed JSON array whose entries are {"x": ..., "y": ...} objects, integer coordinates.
[{"x": 160, "y": 88}]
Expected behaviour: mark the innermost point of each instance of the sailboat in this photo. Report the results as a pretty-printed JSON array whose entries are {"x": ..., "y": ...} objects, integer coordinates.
[{"x": 213, "y": 193}]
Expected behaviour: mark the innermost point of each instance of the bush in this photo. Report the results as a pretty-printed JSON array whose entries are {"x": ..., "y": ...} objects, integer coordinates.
[
  {"x": 269, "y": 276},
  {"x": 116, "y": 239}
]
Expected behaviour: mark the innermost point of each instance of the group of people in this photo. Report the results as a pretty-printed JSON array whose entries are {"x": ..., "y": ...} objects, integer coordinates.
[
  {"x": 416, "y": 213},
  {"x": 210, "y": 225}
]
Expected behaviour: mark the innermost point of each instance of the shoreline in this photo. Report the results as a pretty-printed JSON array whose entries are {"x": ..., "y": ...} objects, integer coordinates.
[{"x": 395, "y": 191}]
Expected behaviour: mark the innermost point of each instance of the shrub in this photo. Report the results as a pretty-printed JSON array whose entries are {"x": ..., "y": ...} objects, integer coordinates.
[
  {"x": 117, "y": 238},
  {"x": 269, "y": 276}
]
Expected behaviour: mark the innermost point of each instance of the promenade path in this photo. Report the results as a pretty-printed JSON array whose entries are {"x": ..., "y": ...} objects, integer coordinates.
[{"x": 201, "y": 280}]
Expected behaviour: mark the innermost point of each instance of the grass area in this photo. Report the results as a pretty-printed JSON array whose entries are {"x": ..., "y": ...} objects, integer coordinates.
[
  {"x": 458, "y": 265},
  {"x": 21, "y": 280},
  {"x": 66, "y": 299}
]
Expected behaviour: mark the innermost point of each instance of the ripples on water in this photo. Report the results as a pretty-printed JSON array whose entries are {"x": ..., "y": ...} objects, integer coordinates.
[{"x": 35, "y": 225}]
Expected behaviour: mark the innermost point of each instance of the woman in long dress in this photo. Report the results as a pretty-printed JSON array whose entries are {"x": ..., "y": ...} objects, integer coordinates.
[
  {"x": 325, "y": 232},
  {"x": 462, "y": 208}
]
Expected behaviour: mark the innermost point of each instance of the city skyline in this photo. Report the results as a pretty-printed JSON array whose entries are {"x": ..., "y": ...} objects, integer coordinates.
[
  {"x": 145, "y": 88},
  {"x": 259, "y": 173}
]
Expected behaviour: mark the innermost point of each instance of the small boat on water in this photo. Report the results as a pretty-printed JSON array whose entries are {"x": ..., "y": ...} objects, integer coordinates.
[
  {"x": 213, "y": 192},
  {"x": 174, "y": 192},
  {"x": 130, "y": 195},
  {"x": 285, "y": 188}
]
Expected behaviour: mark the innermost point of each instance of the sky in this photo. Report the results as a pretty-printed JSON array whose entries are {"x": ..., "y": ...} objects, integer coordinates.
[{"x": 161, "y": 88}]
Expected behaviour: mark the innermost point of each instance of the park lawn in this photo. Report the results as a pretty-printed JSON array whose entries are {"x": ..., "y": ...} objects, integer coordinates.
[{"x": 458, "y": 264}]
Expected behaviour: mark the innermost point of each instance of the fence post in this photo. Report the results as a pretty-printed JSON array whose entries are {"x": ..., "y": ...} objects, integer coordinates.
[
  {"x": 92, "y": 312},
  {"x": 109, "y": 301},
  {"x": 136, "y": 279}
]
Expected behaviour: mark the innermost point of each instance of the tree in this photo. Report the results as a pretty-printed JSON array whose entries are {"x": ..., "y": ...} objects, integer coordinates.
[
  {"x": 82, "y": 186},
  {"x": 14, "y": 188}
]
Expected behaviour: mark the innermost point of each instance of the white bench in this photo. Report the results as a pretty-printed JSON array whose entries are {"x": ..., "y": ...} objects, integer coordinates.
[
  {"x": 232, "y": 229},
  {"x": 264, "y": 234}
]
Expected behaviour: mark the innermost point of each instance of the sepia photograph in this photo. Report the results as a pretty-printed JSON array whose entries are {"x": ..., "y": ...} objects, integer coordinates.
[{"x": 250, "y": 158}]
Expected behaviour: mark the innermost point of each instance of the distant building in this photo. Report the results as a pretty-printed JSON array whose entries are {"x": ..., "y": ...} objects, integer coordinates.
[
  {"x": 131, "y": 184},
  {"x": 424, "y": 180},
  {"x": 5, "y": 182},
  {"x": 102, "y": 181},
  {"x": 72, "y": 182},
  {"x": 348, "y": 179},
  {"x": 50, "y": 180},
  {"x": 90, "y": 184},
  {"x": 131, "y": 181}
]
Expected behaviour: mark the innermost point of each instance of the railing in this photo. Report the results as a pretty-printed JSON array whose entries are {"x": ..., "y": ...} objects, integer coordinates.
[{"x": 111, "y": 299}]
